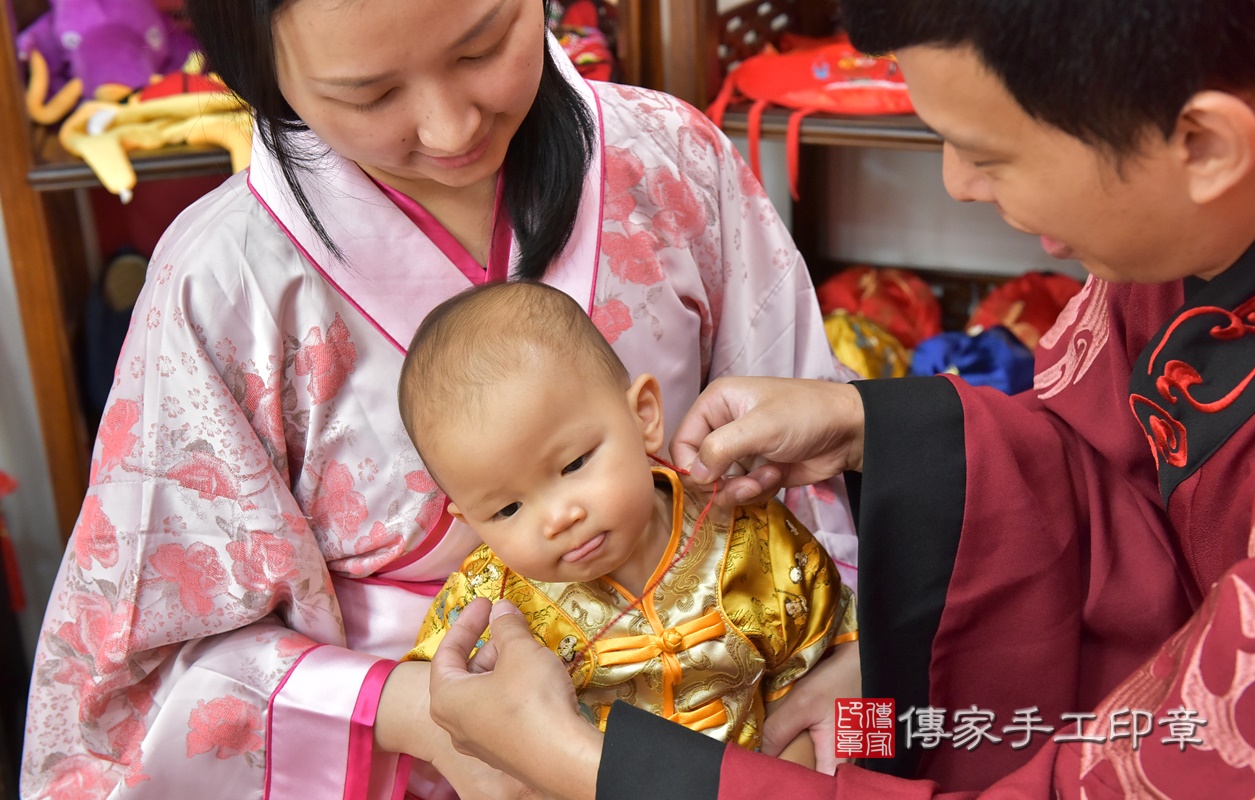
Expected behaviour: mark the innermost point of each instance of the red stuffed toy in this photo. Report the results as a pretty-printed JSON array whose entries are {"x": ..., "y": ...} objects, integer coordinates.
[
  {"x": 895, "y": 299},
  {"x": 1027, "y": 305}
]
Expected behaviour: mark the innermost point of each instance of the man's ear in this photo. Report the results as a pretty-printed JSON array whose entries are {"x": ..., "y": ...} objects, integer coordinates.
[
  {"x": 644, "y": 397},
  {"x": 1216, "y": 134}
]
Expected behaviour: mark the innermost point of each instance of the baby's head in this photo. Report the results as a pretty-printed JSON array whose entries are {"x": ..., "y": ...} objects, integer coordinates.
[{"x": 529, "y": 422}]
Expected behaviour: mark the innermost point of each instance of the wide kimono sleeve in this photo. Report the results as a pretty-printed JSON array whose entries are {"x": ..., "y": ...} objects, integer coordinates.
[
  {"x": 1180, "y": 727},
  {"x": 193, "y": 645},
  {"x": 770, "y": 324},
  {"x": 1015, "y": 553},
  {"x": 700, "y": 278}
]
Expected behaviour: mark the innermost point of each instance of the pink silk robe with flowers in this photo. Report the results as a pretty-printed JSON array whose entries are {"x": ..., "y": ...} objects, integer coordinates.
[{"x": 260, "y": 540}]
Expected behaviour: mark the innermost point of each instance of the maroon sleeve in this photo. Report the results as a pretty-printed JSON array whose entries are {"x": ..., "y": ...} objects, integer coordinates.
[
  {"x": 1006, "y": 562},
  {"x": 1204, "y": 673}
]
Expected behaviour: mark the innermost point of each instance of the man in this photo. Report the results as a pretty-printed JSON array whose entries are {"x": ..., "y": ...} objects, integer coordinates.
[{"x": 1070, "y": 564}]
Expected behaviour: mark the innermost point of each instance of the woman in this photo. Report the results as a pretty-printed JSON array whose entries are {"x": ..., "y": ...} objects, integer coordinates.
[{"x": 260, "y": 536}]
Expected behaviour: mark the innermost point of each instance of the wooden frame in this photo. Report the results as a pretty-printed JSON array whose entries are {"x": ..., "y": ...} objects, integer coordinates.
[{"x": 42, "y": 254}]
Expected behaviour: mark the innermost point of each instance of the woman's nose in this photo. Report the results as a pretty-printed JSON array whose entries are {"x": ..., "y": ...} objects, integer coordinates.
[{"x": 447, "y": 123}]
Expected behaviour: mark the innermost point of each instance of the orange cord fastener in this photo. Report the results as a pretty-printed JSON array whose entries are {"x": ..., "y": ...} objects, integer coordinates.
[{"x": 697, "y": 526}]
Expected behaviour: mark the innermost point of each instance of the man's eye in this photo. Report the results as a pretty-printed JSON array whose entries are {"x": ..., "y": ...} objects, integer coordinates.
[
  {"x": 575, "y": 465},
  {"x": 509, "y": 510}
]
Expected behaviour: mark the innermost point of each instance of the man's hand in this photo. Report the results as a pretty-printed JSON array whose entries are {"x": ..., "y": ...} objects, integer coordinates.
[
  {"x": 780, "y": 431},
  {"x": 513, "y": 707}
]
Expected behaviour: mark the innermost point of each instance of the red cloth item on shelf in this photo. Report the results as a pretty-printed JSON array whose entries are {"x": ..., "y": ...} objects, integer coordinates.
[
  {"x": 577, "y": 28},
  {"x": 827, "y": 75},
  {"x": 895, "y": 299},
  {"x": 1028, "y": 305},
  {"x": 8, "y": 556}
]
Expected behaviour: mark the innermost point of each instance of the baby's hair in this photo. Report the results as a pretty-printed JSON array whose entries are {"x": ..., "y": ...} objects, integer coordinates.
[{"x": 488, "y": 334}]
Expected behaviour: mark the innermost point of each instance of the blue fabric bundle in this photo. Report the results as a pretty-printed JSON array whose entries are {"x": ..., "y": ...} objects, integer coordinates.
[{"x": 993, "y": 357}]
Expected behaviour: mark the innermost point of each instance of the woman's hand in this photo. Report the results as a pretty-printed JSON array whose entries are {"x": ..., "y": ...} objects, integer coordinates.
[
  {"x": 780, "y": 431},
  {"x": 810, "y": 705},
  {"x": 513, "y": 706}
]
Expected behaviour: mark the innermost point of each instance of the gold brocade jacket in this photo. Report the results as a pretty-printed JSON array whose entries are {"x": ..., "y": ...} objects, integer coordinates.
[{"x": 748, "y": 609}]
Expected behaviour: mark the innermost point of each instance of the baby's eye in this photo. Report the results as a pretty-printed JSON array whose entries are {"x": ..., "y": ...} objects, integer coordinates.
[
  {"x": 575, "y": 465},
  {"x": 508, "y": 511}
]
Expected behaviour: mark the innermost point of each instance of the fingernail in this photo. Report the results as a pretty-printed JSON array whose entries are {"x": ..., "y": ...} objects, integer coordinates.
[
  {"x": 743, "y": 494},
  {"x": 698, "y": 472},
  {"x": 502, "y": 607}
]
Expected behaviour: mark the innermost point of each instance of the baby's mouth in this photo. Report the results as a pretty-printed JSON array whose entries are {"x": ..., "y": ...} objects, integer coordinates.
[{"x": 584, "y": 550}]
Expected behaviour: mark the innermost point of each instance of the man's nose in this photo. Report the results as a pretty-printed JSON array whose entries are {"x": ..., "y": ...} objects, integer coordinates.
[{"x": 963, "y": 181}]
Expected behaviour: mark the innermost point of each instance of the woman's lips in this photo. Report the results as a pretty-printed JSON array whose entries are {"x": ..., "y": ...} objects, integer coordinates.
[
  {"x": 584, "y": 550},
  {"x": 466, "y": 159}
]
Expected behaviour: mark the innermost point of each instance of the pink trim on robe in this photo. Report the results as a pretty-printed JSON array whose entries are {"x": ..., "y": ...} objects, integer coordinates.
[
  {"x": 362, "y": 734},
  {"x": 498, "y": 268},
  {"x": 428, "y": 544},
  {"x": 309, "y": 745},
  {"x": 347, "y": 298}
]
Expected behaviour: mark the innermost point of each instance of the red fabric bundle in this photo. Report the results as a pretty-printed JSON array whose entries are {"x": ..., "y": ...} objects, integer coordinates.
[
  {"x": 895, "y": 299},
  {"x": 1027, "y": 305},
  {"x": 827, "y": 75}
]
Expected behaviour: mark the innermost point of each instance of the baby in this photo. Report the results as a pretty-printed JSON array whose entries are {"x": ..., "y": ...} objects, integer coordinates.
[{"x": 530, "y": 424}]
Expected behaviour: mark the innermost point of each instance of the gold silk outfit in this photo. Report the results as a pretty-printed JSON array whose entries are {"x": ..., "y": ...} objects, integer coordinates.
[{"x": 748, "y": 609}]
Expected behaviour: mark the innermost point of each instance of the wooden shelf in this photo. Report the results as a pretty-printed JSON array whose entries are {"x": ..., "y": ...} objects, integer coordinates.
[
  {"x": 904, "y": 131},
  {"x": 55, "y": 169}
]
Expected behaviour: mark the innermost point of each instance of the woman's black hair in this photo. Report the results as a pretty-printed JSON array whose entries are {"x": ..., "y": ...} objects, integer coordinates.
[
  {"x": 545, "y": 163},
  {"x": 1104, "y": 71}
]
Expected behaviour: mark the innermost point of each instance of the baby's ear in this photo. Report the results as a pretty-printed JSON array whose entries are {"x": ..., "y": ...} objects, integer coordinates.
[
  {"x": 454, "y": 512},
  {"x": 645, "y": 399}
]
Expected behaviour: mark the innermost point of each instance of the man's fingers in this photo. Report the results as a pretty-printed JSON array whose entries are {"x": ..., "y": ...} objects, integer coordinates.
[
  {"x": 509, "y": 626},
  {"x": 450, "y": 657},
  {"x": 711, "y": 411},
  {"x": 735, "y": 443}
]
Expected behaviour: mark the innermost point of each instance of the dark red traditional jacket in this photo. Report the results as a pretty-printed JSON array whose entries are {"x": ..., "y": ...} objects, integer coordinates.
[{"x": 1082, "y": 547}]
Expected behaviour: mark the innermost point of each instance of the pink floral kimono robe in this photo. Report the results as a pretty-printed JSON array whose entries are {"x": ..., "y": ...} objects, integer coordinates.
[{"x": 260, "y": 539}]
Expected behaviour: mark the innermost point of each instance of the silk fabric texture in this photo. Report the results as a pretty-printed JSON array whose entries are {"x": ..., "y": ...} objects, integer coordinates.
[{"x": 742, "y": 607}]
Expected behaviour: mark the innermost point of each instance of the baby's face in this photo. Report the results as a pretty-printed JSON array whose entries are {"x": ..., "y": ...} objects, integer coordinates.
[{"x": 552, "y": 471}]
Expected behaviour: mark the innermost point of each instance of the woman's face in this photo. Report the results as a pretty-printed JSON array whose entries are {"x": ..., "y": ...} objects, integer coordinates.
[{"x": 422, "y": 94}]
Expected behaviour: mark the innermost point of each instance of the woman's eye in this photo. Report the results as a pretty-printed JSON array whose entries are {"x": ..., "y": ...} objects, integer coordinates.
[
  {"x": 373, "y": 104},
  {"x": 484, "y": 55},
  {"x": 575, "y": 465},
  {"x": 509, "y": 510}
]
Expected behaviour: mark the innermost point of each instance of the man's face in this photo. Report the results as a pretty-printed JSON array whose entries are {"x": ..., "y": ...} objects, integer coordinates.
[{"x": 1123, "y": 221}]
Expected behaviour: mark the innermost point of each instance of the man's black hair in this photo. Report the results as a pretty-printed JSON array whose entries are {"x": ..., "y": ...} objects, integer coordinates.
[{"x": 1104, "y": 71}]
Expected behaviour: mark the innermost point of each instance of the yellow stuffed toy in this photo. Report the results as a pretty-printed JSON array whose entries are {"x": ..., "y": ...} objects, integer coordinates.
[
  {"x": 865, "y": 347},
  {"x": 184, "y": 108}
]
